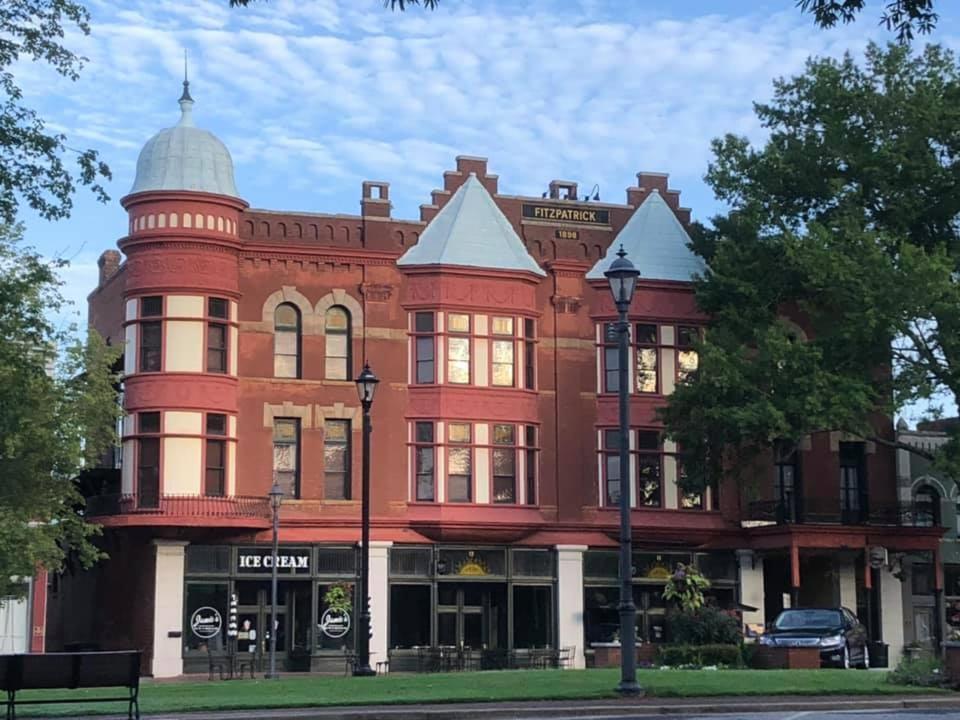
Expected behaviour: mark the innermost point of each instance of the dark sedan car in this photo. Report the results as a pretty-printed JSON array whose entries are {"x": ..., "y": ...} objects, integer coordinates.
[{"x": 840, "y": 637}]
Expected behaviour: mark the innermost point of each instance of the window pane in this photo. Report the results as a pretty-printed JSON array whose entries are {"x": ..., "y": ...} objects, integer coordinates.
[
  {"x": 611, "y": 365},
  {"x": 217, "y": 307},
  {"x": 504, "y": 462},
  {"x": 458, "y": 323},
  {"x": 458, "y": 365},
  {"x": 504, "y": 489},
  {"x": 337, "y": 319},
  {"x": 424, "y": 432},
  {"x": 286, "y": 316},
  {"x": 646, "y": 334},
  {"x": 216, "y": 424},
  {"x": 199, "y": 597},
  {"x": 648, "y": 467},
  {"x": 150, "y": 306},
  {"x": 458, "y": 432},
  {"x": 503, "y": 351},
  {"x": 287, "y": 480},
  {"x": 691, "y": 501},
  {"x": 687, "y": 336},
  {"x": 425, "y": 461},
  {"x": 503, "y": 375},
  {"x": 336, "y": 346},
  {"x": 648, "y": 440},
  {"x": 647, "y": 370},
  {"x": 458, "y": 348},
  {"x": 410, "y": 616},
  {"x": 284, "y": 458},
  {"x": 214, "y": 479},
  {"x": 688, "y": 361},
  {"x": 459, "y": 488},
  {"x": 284, "y": 429},
  {"x": 424, "y": 349},
  {"x": 285, "y": 342},
  {"x": 502, "y": 326},
  {"x": 530, "y": 433},
  {"x": 336, "y": 430},
  {"x": 425, "y": 372},
  {"x": 458, "y": 372},
  {"x": 458, "y": 461},
  {"x": 149, "y": 422},
  {"x": 337, "y": 369},
  {"x": 503, "y": 434},
  {"x": 529, "y": 360},
  {"x": 284, "y": 366},
  {"x": 334, "y": 458},
  {"x": 423, "y": 322},
  {"x": 611, "y": 439},
  {"x": 528, "y": 328}
]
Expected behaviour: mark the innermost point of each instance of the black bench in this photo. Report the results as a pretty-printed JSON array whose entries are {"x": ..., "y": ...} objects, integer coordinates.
[{"x": 60, "y": 671}]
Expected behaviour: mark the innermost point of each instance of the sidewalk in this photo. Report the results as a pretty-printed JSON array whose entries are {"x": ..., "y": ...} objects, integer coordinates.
[{"x": 574, "y": 709}]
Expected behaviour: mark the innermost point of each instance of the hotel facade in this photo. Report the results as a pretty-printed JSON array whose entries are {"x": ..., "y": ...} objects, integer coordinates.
[{"x": 495, "y": 473}]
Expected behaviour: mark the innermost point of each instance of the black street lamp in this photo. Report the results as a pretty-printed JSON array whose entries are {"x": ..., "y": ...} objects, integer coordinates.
[
  {"x": 622, "y": 276},
  {"x": 276, "y": 498},
  {"x": 366, "y": 386}
]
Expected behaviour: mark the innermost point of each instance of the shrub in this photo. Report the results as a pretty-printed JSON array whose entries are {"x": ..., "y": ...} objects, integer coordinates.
[
  {"x": 700, "y": 655},
  {"x": 922, "y": 672},
  {"x": 709, "y": 626}
]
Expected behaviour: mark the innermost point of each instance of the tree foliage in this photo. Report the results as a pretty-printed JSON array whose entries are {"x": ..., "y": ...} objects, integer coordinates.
[
  {"x": 58, "y": 409},
  {"x": 33, "y": 167},
  {"x": 685, "y": 587},
  {"x": 904, "y": 17},
  {"x": 831, "y": 283}
]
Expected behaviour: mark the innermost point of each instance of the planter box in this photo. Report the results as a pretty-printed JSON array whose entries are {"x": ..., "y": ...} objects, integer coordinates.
[
  {"x": 608, "y": 654},
  {"x": 782, "y": 658}
]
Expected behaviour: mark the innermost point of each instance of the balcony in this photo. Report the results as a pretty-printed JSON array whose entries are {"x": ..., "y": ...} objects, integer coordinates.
[
  {"x": 813, "y": 511},
  {"x": 188, "y": 510}
]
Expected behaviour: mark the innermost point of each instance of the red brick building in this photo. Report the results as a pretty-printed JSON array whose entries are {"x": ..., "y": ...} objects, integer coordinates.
[{"x": 495, "y": 474}]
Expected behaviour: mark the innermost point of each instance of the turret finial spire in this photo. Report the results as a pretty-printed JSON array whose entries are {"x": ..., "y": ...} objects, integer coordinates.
[{"x": 186, "y": 101}]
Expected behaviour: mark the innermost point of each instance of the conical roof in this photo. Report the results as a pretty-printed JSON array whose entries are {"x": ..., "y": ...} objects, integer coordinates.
[
  {"x": 656, "y": 243},
  {"x": 471, "y": 231}
]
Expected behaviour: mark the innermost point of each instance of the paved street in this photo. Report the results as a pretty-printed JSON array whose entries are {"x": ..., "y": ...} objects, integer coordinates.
[{"x": 825, "y": 715}]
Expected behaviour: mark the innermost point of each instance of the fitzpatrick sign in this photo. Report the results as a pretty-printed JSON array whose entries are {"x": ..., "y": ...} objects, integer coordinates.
[
  {"x": 561, "y": 215},
  {"x": 290, "y": 561}
]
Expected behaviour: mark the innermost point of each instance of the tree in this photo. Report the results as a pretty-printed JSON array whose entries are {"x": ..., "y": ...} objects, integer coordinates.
[
  {"x": 392, "y": 4},
  {"x": 901, "y": 16},
  {"x": 831, "y": 282},
  {"x": 58, "y": 408},
  {"x": 32, "y": 165}
]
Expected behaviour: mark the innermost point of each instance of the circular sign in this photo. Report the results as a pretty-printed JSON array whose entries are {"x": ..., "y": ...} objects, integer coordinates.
[
  {"x": 206, "y": 622},
  {"x": 335, "y": 623}
]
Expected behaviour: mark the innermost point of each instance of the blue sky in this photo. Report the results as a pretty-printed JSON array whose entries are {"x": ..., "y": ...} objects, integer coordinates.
[{"x": 314, "y": 96}]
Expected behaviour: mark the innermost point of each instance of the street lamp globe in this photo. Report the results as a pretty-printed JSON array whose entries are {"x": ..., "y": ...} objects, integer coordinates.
[
  {"x": 622, "y": 276},
  {"x": 276, "y": 496},
  {"x": 366, "y": 385}
]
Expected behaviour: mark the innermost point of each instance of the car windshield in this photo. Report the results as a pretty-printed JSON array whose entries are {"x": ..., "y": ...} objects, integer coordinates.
[{"x": 804, "y": 619}]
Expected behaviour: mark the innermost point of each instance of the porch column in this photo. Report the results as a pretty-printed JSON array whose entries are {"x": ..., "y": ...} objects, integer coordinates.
[
  {"x": 794, "y": 575},
  {"x": 891, "y": 614},
  {"x": 168, "y": 608},
  {"x": 751, "y": 585},
  {"x": 847, "y": 570},
  {"x": 379, "y": 600},
  {"x": 570, "y": 600}
]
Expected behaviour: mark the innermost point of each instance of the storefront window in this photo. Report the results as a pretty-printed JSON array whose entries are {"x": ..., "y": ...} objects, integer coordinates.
[
  {"x": 205, "y": 621},
  {"x": 336, "y": 616},
  {"x": 409, "y": 616},
  {"x": 532, "y": 616},
  {"x": 601, "y": 621}
]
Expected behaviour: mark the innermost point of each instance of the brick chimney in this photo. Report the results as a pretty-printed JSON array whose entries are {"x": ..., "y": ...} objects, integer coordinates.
[{"x": 108, "y": 263}]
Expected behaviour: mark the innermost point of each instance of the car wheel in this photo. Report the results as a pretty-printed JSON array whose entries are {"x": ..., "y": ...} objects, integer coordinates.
[
  {"x": 865, "y": 663},
  {"x": 846, "y": 657}
]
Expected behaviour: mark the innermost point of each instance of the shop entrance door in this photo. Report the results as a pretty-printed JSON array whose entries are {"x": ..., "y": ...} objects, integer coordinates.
[
  {"x": 471, "y": 615},
  {"x": 253, "y": 621}
]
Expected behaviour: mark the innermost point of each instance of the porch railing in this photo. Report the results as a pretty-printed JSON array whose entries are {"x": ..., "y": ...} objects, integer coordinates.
[
  {"x": 178, "y": 506},
  {"x": 814, "y": 511}
]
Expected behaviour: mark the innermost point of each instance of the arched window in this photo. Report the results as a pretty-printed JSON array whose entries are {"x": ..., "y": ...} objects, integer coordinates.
[
  {"x": 337, "y": 330},
  {"x": 286, "y": 341},
  {"x": 926, "y": 506}
]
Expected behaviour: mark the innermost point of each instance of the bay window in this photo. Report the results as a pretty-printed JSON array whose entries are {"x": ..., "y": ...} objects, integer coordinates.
[
  {"x": 502, "y": 352},
  {"x": 458, "y": 349}
]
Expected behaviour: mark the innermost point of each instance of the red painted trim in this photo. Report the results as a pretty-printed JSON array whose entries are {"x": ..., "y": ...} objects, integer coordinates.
[
  {"x": 128, "y": 201},
  {"x": 38, "y": 612}
]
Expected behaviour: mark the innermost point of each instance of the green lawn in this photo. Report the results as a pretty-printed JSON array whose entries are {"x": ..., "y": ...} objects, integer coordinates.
[{"x": 305, "y": 691}]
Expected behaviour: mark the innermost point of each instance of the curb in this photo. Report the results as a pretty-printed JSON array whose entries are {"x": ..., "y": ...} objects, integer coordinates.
[{"x": 563, "y": 710}]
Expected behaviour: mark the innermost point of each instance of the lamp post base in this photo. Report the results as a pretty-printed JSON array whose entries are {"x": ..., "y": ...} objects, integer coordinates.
[
  {"x": 364, "y": 671},
  {"x": 629, "y": 689}
]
